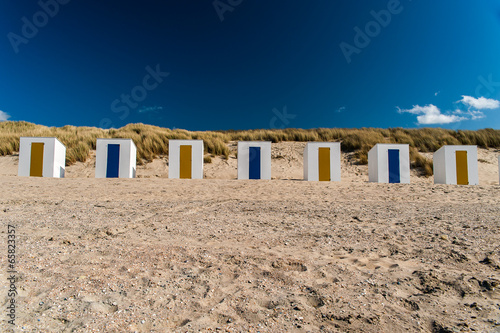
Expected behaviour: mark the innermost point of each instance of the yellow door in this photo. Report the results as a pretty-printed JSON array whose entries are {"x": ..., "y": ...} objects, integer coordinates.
[
  {"x": 36, "y": 165},
  {"x": 324, "y": 164},
  {"x": 462, "y": 170},
  {"x": 185, "y": 163}
]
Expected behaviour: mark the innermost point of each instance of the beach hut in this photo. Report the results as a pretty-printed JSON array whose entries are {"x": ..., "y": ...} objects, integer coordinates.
[
  {"x": 254, "y": 160},
  {"x": 322, "y": 161},
  {"x": 115, "y": 158},
  {"x": 389, "y": 163},
  {"x": 41, "y": 157},
  {"x": 185, "y": 159},
  {"x": 456, "y": 165}
]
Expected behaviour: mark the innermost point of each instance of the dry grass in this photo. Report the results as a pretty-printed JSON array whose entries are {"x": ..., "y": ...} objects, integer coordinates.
[
  {"x": 424, "y": 165},
  {"x": 152, "y": 141}
]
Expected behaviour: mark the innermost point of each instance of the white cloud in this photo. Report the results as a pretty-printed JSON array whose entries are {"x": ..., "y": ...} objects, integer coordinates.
[
  {"x": 154, "y": 109},
  {"x": 480, "y": 103},
  {"x": 342, "y": 108},
  {"x": 430, "y": 115},
  {"x": 4, "y": 116},
  {"x": 474, "y": 114},
  {"x": 437, "y": 93}
]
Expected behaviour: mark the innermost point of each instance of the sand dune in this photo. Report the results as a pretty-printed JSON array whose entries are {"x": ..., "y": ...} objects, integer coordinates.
[{"x": 161, "y": 255}]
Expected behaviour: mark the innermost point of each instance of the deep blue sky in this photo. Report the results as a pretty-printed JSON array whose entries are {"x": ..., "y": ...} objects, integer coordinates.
[{"x": 263, "y": 56}]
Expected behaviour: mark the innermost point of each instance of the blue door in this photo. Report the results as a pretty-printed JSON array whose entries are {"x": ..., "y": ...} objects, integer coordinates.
[
  {"x": 394, "y": 173},
  {"x": 254, "y": 167},
  {"x": 113, "y": 165}
]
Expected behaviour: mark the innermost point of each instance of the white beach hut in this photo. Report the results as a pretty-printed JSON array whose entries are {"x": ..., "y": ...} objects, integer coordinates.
[
  {"x": 254, "y": 160},
  {"x": 185, "y": 159},
  {"x": 115, "y": 158},
  {"x": 322, "y": 161},
  {"x": 456, "y": 165},
  {"x": 41, "y": 157},
  {"x": 389, "y": 163}
]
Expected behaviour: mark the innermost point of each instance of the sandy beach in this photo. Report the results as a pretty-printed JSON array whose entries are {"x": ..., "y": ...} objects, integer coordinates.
[
  {"x": 158, "y": 255},
  {"x": 238, "y": 147}
]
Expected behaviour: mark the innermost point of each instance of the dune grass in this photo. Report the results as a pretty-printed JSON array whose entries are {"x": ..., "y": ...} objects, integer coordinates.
[
  {"x": 207, "y": 159},
  {"x": 152, "y": 141}
]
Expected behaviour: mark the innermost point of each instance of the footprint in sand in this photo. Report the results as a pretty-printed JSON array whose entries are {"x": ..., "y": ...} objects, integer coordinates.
[{"x": 373, "y": 262}]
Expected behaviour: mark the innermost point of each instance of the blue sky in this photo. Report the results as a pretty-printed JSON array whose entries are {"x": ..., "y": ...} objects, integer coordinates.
[{"x": 240, "y": 64}]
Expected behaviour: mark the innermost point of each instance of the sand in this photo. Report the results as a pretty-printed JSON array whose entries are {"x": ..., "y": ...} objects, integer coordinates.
[{"x": 159, "y": 255}]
